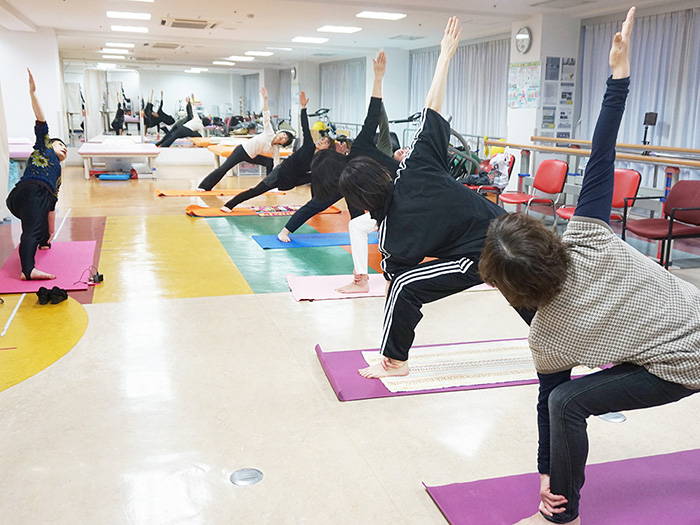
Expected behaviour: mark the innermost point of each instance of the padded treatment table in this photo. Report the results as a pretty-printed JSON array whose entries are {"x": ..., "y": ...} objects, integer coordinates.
[
  {"x": 20, "y": 152},
  {"x": 100, "y": 139},
  {"x": 19, "y": 140},
  {"x": 89, "y": 151}
]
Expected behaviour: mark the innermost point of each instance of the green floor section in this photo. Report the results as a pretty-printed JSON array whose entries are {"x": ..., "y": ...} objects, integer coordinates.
[{"x": 265, "y": 270}]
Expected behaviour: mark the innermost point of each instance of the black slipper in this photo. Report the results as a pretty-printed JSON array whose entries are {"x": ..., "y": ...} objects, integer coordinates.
[
  {"x": 43, "y": 295},
  {"x": 58, "y": 295}
]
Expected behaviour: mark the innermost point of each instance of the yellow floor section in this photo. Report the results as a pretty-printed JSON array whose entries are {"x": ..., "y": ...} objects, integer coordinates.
[
  {"x": 38, "y": 335},
  {"x": 164, "y": 256}
]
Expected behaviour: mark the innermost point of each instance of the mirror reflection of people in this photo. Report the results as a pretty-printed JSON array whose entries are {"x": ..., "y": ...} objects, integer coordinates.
[
  {"x": 33, "y": 199},
  {"x": 194, "y": 127},
  {"x": 294, "y": 170},
  {"x": 118, "y": 122},
  {"x": 262, "y": 149}
]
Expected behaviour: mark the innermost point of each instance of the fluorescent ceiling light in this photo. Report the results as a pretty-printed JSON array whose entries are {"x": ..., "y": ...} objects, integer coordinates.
[
  {"x": 103, "y": 65},
  {"x": 338, "y": 29},
  {"x": 380, "y": 16},
  {"x": 192, "y": 71},
  {"x": 280, "y": 48},
  {"x": 111, "y": 51},
  {"x": 130, "y": 29},
  {"x": 117, "y": 44},
  {"x": 259, "y": 53},
  {"x": 114, "y": 57},
  {"x": 309, "y": 40},
  {"x": 240, "y": 58},
  {"x": 223, "y": 63},
  {"x": 128, "y": 16}
]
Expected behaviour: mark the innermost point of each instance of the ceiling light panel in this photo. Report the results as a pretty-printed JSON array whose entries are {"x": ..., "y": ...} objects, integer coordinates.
[
  {"x": 237, "y": 58},
  {"x": 118, "y": 44},
  {"x": 377, "y": 15},
  {"x": 339, "y": 29},
  {"x": 130, "y": 29},
  {"x": 280, "y": 48},
  {"x": 111, "y": 51},
  {"x": 223, "y": 63},
  {"x": 128, "y": 16},
  {"x": 113, "y": 57},
  {"x": 309, "y": 40}
]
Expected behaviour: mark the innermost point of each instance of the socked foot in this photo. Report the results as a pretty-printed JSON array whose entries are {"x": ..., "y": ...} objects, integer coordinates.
[
  {"x": 377, "y": 371},
  {"x": 538, "y": 519},
  {"x": 360, "y": 284},
  {"x": 37, "y": 275},
  {"x": 225, "y": 209}
]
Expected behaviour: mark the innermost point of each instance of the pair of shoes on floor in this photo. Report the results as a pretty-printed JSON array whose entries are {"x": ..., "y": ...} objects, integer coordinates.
[{"x": 55, "y": 295}]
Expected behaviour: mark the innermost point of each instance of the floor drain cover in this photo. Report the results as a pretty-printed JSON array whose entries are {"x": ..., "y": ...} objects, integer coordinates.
[
  {"x": 613, "y": 417},
  {"x": 246, "y": 476}
]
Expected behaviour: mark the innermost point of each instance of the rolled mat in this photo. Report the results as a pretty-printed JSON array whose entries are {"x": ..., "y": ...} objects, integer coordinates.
[
  {"x": 68, "y": 261},
  {"x": 640, "y": 491},
  {"x": 341, "y": 370},
  {"x": 308, "y": 240}
]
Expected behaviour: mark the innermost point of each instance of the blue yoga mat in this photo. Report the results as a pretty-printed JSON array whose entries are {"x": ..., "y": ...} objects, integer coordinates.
[
  {"x": 309, "y": 240},
  {"x": 114, "y": 176}
]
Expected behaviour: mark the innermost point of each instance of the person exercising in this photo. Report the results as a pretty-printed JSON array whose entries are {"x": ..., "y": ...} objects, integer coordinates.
[{"x": 33, "y": 199}]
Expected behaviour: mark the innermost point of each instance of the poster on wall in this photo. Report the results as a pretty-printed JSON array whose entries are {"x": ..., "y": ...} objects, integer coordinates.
[
  {"x": 524, "y": 85},
  {"x": 550, "y": 93},
  {"x": 566, "y": 93},
  {"x": 563, "y": 135},
  {"x": 568, "y": 69},
  {"x": 552, "y": 68},
  {"x": 565, "y": 117},
  {"x": 548, "y": 116}
]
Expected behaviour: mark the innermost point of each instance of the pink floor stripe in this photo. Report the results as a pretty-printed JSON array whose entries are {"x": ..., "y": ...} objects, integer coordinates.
[
  {"x": 654, "y": 490},
  {"x": 341, "y": 371},
  {"x": 68, "y": 261}
]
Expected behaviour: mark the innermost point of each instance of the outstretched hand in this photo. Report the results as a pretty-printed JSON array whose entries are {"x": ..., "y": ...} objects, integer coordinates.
[
  {"x": 303, "y": 99},
  {"x": 379, "y": 65},
  {"x": 32, "y": 84},
  {"x": 263, "y": 92},
  {"x": 620, "y": 50},
  {"x": 450, "y": 39}
]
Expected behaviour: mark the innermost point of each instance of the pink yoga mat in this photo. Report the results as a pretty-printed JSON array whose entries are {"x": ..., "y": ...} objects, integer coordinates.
[
  {"x": 341, "y": 370},
  {"x": 655, "y": 490},
  {"x": 322, "y": 287},
  {"x": 66, "y": 260}
]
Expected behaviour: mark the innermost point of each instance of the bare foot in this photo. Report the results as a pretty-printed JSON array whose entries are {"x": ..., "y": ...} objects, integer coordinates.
[
  {"x": 360, "y": 284},
  {"x": 378, "y": 370},
  {"x": 284, "y": 235},
  {"x": 201, "y": 189},
  {"x": 37, "y": 275},
  {"x": 538, "y": 519}
]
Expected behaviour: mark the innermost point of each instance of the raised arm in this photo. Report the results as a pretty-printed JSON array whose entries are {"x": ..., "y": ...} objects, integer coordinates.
[
  {"x": 448, "y": 46},
  {"x": 306, "y": 132},
  {"x": 263, "y": 92},
  {"x": 595, "y": 200},
  {"x": 379, "y": 70},
  {"x": 38, "y": 112}
]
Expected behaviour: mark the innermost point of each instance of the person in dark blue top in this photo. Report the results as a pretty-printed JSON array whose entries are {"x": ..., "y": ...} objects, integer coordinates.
[{"x": 33, "y": 199}]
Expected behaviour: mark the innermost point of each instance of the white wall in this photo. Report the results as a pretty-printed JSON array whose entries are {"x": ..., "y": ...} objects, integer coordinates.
[
  {"x": 395, "y": 88},
  {"x": 308, "y": 80},
  {"x": 270, "y": 79},
  {"x": 4, "y": 163},
  {"x": 209, "y": 88},
  {"x": 37, "y": 51}
]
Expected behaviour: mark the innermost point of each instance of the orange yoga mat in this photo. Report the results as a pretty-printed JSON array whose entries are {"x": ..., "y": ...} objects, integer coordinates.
[
  {"x": 261, "y": 211},
  {"x": 195, "y": 193}
]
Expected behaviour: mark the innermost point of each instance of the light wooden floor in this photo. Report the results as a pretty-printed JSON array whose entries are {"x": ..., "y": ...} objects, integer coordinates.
[{"x": 143, "y": 421}]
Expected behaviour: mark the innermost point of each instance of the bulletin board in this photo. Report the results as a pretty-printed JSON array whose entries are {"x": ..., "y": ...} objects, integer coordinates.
[
  {"x": 524, "y": 85},
  {"x": 558, "y": 88}
]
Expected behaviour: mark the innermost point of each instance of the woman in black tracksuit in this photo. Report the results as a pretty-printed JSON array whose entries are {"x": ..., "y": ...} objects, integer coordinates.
[{"x": 423, "y": 212}]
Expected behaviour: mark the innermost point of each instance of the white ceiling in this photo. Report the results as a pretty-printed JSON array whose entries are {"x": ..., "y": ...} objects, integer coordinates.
[{"x": 249, "y": 25}]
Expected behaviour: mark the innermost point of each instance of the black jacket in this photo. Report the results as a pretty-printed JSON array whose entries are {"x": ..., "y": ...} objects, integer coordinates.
[{"x": 294, "y": 170}]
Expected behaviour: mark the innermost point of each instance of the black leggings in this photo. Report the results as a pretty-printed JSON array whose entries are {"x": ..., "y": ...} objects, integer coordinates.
[
  {"x": 179, "y": 133},
  {"x": 237, "y": 156},
  {"x": 31, "y": 203}
]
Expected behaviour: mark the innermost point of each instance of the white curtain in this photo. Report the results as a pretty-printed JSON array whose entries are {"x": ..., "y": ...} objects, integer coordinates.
[
  {"x": 4, "y": 162},
  {"x": 477, "y": 86},
  {"x": 343, "y": 90},
  {"x": 665, "y": 66},
  {"x": 285, "y": 96},
  {"x": 252, "y": 93}
]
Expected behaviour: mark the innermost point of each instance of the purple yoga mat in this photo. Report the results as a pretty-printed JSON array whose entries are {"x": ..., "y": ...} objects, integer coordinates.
[
  {"x": 341, "y": 370},
  {"x": 655, "y": 490},
  {"x": 68, "y": 261}
]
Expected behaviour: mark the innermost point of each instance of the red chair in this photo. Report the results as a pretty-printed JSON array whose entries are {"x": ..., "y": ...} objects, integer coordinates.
[
  {"x": 681, "y": 218},
  {"x": 550, "y": 178},
  {"x": 626, "y": 186}
]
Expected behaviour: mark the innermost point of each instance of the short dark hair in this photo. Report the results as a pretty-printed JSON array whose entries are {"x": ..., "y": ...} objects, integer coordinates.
[
  {"x": 365, "y": 184},
  {"x": 290, "y": 138},
  {"x": 525, "y": 260},
  {"x": 326, "y": 168},
  {"x": 331, "y": 140},
  {"x": 206, "y": 121}
]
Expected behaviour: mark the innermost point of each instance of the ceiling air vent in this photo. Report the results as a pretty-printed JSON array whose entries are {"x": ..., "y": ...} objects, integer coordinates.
[
  {"x": 186, "y": 23},
  {"x": 405, "y": 37},
  {"x": 163, "y": 45}
]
